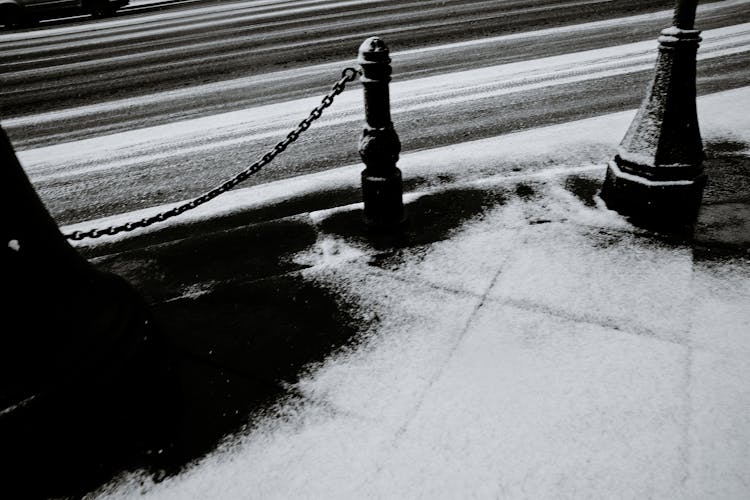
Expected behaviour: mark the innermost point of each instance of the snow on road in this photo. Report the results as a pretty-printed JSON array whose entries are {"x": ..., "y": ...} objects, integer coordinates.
[
  {"x": 218, "y": 131},
  {"x": 444, "y": 50},
  {"x": 249, "y": 11},
  {"x": 301, "y": 33}
]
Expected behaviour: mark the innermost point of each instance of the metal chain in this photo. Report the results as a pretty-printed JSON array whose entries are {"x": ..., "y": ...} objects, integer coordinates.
[{"x": 348, "y": 75}]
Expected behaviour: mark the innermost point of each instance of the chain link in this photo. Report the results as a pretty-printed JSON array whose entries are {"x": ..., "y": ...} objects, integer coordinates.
[{"x": 348, "y": 75}]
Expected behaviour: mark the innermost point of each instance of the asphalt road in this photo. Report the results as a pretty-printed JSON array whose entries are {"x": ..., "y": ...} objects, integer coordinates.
[{"x": 163, "y": 101}]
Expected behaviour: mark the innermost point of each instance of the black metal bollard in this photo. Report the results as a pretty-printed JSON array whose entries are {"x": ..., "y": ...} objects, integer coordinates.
[
  {"x": 657, "y": 177},
  {"x": 379, "y": 146}
]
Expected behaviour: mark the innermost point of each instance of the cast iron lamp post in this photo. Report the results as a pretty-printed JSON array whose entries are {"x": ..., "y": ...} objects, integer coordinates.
[{"x": 656, "y": 177}]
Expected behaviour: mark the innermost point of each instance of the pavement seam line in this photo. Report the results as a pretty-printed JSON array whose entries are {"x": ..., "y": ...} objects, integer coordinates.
[
  {"x": 436, "y": 375},
  {"x": 689, "y": 366},
  {"x": 441, "y": 369},
  {"x": 608, "y": 323}
]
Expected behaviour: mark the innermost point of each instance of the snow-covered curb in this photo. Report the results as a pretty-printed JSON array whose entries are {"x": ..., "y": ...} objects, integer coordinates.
[{"x": 567, "y": 146}]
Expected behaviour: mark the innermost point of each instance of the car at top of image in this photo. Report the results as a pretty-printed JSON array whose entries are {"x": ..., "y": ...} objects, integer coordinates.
[{"x": 17, "y": 13}]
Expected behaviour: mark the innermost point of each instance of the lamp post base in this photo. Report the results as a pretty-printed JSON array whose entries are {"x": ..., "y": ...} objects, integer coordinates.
[
  {"x": 656, "y": 179},
  {"x": 668, "y": 204}
]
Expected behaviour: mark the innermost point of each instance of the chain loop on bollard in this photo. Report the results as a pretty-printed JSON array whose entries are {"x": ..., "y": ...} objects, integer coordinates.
[{"x": 347, "y": 75}]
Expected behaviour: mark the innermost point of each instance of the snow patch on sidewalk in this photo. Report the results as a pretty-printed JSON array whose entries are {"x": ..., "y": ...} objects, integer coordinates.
[
  {"x": 328, "y": 252},
  {"x": 509, "y": 361}
]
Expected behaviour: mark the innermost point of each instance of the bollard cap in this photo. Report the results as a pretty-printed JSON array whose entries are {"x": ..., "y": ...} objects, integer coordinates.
[{"x": 374, "y": 50}]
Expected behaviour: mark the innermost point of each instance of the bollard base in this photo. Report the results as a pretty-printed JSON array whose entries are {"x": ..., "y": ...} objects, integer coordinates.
[
  {"x": 661, "y": 205},
  {"x": 382, "y": 196}
]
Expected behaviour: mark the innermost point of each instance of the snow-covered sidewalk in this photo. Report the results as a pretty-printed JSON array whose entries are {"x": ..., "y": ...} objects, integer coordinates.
[{"x": 522, "y": 342}]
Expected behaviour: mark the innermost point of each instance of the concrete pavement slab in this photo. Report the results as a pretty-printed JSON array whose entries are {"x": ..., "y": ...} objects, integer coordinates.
[
  {"x": 720, "y": 319},
  {"x": 534, "y": 406},
  {"x": 587, "y": 266},
  {"x": 384, "y": 375},
  {"x": 456, "y": 265},
  {"x": 718, "y": 448},
  {"x": 609, "y": 278}
]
